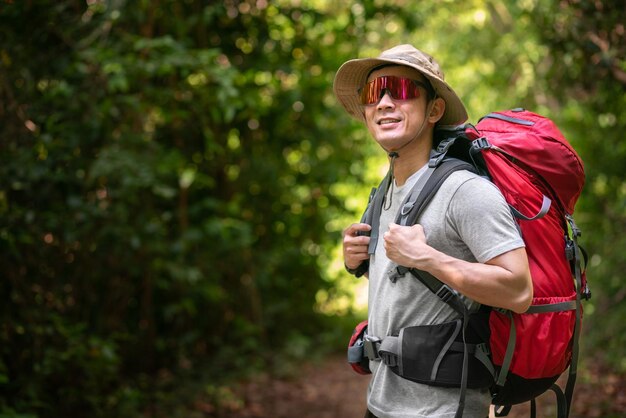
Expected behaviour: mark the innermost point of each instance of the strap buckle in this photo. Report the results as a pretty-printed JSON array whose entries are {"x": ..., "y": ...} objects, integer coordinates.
[
  {"x": 480, "y": 144},
  {"x": 370, "y": 345},
  {"x": 575, "y": 230},
  {"x": 397, "y": 273},
  {"x": 445, "y": 293},
  {"x": 406, "y": 208},
  {"x": 570, "y": 251},
  {"x": 389, "y": 359},
  {"x": 483, "y": 348}
]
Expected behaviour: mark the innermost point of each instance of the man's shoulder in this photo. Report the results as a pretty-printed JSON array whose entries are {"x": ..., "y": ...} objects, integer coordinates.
[
  {"x": 468, "y": 180},
  {"x": 464, "y": 187}
]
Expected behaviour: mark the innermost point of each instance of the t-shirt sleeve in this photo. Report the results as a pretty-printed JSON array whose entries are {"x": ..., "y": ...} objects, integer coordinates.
[{"x": 481, "y": 218}]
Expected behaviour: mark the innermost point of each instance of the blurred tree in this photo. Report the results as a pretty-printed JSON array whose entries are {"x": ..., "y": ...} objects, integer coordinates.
[{"x": 165, "y": 194}]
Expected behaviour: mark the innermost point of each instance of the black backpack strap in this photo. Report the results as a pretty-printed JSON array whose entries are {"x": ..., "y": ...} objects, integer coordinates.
[
  {"x": 371, "y": 216},
  {"x": 577, "y": 258},
  {"x": 437, "y": 161},
  {"x": 440, "y": 168},
  {"x": 420, "y": 196},
  {"x": 415, "y": 203},
  {"x": 376, "y": 208}
]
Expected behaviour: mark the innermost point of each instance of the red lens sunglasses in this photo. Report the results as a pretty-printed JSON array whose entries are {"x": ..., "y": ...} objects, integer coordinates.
[{"x": 399, "y": 88}]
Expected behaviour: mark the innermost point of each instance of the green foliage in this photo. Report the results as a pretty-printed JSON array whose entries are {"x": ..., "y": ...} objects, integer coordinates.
[
  {"x": 166, "y": 173},
  {"x": 174, "y": 178}
]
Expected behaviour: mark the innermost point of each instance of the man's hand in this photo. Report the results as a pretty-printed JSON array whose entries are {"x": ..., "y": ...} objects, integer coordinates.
[
  {"x": 406, "y": 245},
  {"x": 355, "y": 245}
]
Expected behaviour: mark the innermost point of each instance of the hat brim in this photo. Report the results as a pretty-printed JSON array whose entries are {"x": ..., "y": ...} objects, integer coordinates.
[{"x": 352, "y": 75}]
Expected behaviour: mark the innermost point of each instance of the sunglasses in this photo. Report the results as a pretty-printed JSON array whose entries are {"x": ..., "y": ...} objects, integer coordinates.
[{"x": 399, "y": 88}]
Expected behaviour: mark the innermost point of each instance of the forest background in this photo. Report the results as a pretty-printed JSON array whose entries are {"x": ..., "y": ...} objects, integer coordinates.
[{"x": 175, "y": 177}]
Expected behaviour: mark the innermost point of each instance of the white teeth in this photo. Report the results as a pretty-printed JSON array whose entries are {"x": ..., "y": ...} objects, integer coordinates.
[{"x": 386, "y": 121}]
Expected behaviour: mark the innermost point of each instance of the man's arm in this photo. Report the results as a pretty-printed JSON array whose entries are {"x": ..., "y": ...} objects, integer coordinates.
[{"x": 503, "y": 282}]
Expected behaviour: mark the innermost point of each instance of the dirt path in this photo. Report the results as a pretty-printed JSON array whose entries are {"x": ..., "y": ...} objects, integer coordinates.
[
  {"x": 332, "y": 390},
  {"x": 327, "y": 390}
]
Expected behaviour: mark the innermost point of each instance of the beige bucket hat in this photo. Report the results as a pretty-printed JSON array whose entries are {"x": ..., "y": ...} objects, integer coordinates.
[{"x": 352, "y": 75}]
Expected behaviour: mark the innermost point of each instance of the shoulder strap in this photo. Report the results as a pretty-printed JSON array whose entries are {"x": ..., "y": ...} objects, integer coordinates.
[
  {"x": 415, "y": 204},
  {"x": 371, "y": 217},
  {"x": 441, "y": 168},
  {"x": 423, "y": 192},
  {"x": 375, "y": 209}
]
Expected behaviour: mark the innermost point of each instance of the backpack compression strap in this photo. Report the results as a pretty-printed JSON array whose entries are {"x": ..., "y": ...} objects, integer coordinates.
[{"x": 576, "y": 258}]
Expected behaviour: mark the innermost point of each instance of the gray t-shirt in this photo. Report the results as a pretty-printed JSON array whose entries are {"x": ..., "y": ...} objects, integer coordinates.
[{"x": 468, "y": 219}]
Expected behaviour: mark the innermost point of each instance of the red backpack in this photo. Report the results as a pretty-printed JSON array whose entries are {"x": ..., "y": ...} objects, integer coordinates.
[{"x": 541, "y": 177}]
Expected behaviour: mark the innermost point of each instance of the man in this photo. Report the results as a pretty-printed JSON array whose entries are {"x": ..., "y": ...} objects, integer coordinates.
[{"x": 466, "y": 237}]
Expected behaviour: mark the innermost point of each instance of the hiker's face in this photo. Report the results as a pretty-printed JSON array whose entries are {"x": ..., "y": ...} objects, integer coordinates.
[{"x": 394, "y": 123}]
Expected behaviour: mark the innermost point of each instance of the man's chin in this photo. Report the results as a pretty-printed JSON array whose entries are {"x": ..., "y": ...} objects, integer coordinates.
[{"x": 390, "y": 145}]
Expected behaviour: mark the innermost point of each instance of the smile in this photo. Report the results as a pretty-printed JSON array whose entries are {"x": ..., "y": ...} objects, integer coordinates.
[{"x": 388, "y": 121}]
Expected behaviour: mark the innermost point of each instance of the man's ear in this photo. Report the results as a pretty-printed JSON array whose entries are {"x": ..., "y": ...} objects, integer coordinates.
[{"x": 438, "y": 107}]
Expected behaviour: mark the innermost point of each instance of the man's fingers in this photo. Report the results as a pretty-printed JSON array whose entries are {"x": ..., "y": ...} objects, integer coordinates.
[
  {"x": 357, "y": 240},
  {"x": 354, "y": 229},
  {"x": 354, "y": 249},
  {"x": 355, "y": 244}
]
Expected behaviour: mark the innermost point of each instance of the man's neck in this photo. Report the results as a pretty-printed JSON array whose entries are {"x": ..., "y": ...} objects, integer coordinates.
[{"x": 410, "y": 160}]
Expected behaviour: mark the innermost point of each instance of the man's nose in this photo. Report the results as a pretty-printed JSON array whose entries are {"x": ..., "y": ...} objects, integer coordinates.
[{"x": 385, "y": 100}]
